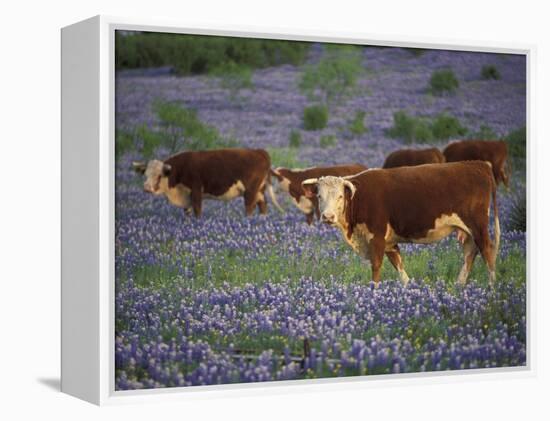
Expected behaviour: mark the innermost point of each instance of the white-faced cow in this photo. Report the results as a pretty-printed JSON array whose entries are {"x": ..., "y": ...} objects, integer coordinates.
[
  {"x": 290, "y": 180},
  {"x": 380, "y": 208},
  {"x": 413, "y": 157},
  {"x": 494, "y": 151},
  {"x": 223, "y": 174}
]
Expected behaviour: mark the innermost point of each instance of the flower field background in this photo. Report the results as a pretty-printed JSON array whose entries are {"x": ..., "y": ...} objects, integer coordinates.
[{"x": 229, "y": 299}]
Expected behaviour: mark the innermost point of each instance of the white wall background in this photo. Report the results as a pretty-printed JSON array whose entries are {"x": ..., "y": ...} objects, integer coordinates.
[{"x": 29, "y": 206}]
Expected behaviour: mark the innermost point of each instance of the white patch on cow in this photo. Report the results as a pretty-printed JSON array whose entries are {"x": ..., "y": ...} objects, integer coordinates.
[
  {"x": 236, "y": 190},
  {"x": 359, "y": 240},
  {"x": 304, "y": 204},
  {"x": 403, "y": 276},
  {"x": 285, "y": 184},
  {"x": 492, "y": 277},
  {"x": 178, "y": 195},
  {"x": 443, "y": 226}
]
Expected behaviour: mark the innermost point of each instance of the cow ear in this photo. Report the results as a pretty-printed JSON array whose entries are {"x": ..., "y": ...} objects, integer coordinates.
[
  {"x": 349, "y": 188},
  {"x": 310, "y": 187},
  {"x": 166, "y": 170},
  {"x": 139, "y": 167}
]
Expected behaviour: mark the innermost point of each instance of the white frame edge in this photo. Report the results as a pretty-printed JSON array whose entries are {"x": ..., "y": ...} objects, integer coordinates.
[{"x": 88, "y": 237}]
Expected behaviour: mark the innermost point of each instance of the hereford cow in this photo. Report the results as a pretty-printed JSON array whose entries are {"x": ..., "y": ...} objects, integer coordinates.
[
  {"x": 380, "y": 208},
  {"x": 223, "y": 174},
  {"x": 413, "y": 157},
  {"x": 494, "y": 151},
  {"x": 291, "y": 182}
]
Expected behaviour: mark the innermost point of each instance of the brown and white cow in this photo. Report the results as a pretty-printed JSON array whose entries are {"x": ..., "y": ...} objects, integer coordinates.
[
  {"x": 290, "y": 180},
  {"x": 223, "y": 174},
  {"x": 413, "y": 157},
  {"x": 378, "y": 209},
  {"x": 494, "y": 151}
]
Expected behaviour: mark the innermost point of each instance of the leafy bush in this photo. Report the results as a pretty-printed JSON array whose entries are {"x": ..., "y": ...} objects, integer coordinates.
[
  {"x": 179, "y": 128},
  {"x": 410, "y": 129},
  {"x": 484, "y": 133},
  {"x": 285, "y": 157},
  {"x": 421, "y": 130},
  {"x": 334, "y": 77},
  {"x": 327, "y": 141},
  {"x": 295, "y": 139},
  {"x": 123, "y": 143},
  {"x": 443, "y": 81},
  {"x": 197, "y": 54},
  {"x": 233, "y": 77},
  {"x": 357, "y": 125},
  {"x": 518, "y": 216},
  {"x": 517, "y": 143},
  {"x": 490, "y": 72},
  {"x": 446, "y": 126},
  {"x": 315, "y": 117}
]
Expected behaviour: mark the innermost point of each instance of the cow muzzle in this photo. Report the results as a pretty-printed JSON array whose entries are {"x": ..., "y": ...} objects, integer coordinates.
[{"x": 328, "y": 218}]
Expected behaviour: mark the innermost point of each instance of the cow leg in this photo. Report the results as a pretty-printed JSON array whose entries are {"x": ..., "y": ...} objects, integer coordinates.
[
  {"x": 470, "y": 252},
  {"x": 249, "y": 201},
  {"x": 394, "y": 257},
  {"x": 487, "y": 250},
  {"x": 262, "y": 205},
  {"x": 376, "y": 255},
  {"x": 196, "y": 200},
  {"x": 309, "y": 218}
]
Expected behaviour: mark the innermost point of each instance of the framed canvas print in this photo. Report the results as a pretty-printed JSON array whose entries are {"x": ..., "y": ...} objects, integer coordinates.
[{"x": 246, "y": 209}]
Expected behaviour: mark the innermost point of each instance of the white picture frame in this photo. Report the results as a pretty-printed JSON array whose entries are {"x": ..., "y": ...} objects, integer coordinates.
[{"x": 88, "y": 213}]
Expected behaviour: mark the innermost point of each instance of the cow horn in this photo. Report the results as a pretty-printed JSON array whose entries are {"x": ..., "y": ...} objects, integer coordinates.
[
  {"x": 351, "y": 186},
  {"x": 139, "y": 166}
]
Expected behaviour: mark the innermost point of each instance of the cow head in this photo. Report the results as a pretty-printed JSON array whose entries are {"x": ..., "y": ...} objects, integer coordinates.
[
  {"x": 333, "y": 194},
  {"x": 154, "y": 172}
]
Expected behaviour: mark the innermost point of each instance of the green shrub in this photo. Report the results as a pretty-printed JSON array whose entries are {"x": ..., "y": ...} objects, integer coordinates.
[
  {"x": 421, "y": 130},
  {"x": 518, "y": 216},
  {"x": 179, "y": 128},
  {"x": 484, "y": 133},
  {"x": 197, "y": 54},
  {"x": 357, "y": 125},
  {"x": 315, "y": 117},
  {"x": 123, "y": 143},
  {"x": 410, "y": 129},
  {"x": 150, "y": 140},
  {"x": 443, "y": 81},
  {"x": 490, "y": 72},
  {"x": 285, "y": 157},
  {"x": 517, "y": 143},
  {"x": 233, "y": 77},
  {"x": 327, "y": 141},
  {"x": 334, "y": 77},
  {"x": 295, "y": 139},
  {"x": 445, "y": 126}
]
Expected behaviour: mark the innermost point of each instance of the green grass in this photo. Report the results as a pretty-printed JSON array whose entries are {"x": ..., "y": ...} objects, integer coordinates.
[{"x": 278, "y": 265}]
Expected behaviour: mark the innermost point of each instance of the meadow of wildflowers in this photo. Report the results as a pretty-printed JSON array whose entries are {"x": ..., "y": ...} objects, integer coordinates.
[{"x": 229, "y": 299}]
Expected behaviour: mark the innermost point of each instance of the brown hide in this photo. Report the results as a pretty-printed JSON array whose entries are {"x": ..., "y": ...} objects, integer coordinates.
[
  {"x": 494, "y": 151},
  {"x": 410, "y": 199},
  {"x": 413, "y": 157}
]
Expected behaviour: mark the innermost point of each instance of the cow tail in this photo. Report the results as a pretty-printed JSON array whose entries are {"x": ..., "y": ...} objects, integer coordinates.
[
  {"x": 496, "y": 220},
  {"x": 272, "y": 194}
]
